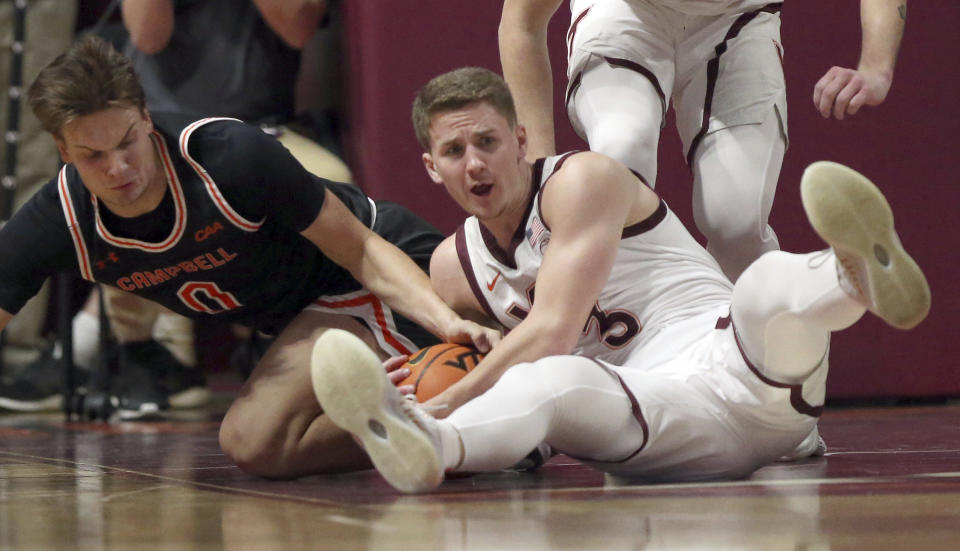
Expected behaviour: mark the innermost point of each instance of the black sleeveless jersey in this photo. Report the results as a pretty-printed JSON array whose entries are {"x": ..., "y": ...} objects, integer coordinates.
[{"x": 228, "y": 244}]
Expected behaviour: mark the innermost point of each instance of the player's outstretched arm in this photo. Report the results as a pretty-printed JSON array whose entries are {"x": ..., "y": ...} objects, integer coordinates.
[
  {"x": 390, "y": 274},
  {"x": 843, "y": 91},
  {"x": 293, "y": 20},
  {"x": 149, "y": 22},
  {"x": 526, "y": 68},
  {"x": 586, "y": 205}
]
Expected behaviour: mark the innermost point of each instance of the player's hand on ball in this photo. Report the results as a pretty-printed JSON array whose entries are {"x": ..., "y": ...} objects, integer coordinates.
[
  {"x": 473, "y": 334},
  {"x": 397, "y": 371}
]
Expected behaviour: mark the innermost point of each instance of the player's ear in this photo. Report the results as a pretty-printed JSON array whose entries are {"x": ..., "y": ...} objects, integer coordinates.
[
  {"x": 431, "y": 168},
  {"x": 521, "y": 132},
  {"x": 149, "y": 121},
  {"x": 62, "y": 148}
]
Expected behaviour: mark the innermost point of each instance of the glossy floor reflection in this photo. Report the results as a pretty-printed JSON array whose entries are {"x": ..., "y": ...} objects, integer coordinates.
[{"x": 891, "y": 480}]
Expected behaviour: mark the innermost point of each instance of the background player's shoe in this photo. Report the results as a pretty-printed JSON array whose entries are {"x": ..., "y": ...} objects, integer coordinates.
[
  {"x": 402, "y": 441},
  {"x": 37, "y": 386},
  {"x": 853, "y": 217},
  {"x": 150, "y": 380},
  {"x": 136, "y": 382},
  {"x": 535, "y": 459}
]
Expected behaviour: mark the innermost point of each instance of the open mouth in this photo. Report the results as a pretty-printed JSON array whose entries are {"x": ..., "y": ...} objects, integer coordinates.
[{"x": 481, "y": 190}]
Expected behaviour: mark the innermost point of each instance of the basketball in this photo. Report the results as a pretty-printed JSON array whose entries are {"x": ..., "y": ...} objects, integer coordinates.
[{"x": 434, "y": 368}]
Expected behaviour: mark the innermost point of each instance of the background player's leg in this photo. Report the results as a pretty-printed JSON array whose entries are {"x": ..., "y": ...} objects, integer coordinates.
[
  {"x": 620, "y": 113},
  {"x": 315, "y": 158},
  {"x": 735, "y": 173},
  {"x": 275, "y": 427},
  {"x": 569, "y": 402}
]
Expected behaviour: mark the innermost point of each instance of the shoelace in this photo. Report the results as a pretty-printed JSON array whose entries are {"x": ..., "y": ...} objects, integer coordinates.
[
  {"x": 411, "y": 400},
  {"x": 847, "y": 276},
  {"x": 819, "y": 258}
]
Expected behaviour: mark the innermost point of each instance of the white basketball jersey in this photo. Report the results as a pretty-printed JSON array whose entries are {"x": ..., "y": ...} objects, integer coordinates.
[{"x": 660, "y": 275}]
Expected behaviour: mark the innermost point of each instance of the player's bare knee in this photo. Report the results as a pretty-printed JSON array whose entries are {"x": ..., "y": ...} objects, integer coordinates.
[{"x": 252, "y": 449}]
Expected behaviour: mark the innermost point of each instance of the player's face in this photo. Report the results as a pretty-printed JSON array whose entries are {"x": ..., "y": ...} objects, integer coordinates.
[
  {"x": 116, "y": 159},
  {"x": 479, "y": 159}
]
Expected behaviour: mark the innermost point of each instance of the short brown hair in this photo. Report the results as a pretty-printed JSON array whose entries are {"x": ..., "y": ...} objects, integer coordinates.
[
  {"x": 90, "y": 76},
  {"x": 457, "y": 89}
]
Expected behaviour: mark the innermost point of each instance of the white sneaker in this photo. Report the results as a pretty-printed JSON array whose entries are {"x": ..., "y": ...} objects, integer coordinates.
[
  {"x": 853, "y": 217},
  {"x": 811, "y": 446},
  {"x": 352, "y": 387}
]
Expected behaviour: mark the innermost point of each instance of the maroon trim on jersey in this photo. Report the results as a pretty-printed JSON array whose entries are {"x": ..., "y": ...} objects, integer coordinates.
[
  {"x": 635, "y": 229},
  {"x": 637, "y": 414},
  {"x": 647, "y": 223},
  {"x": 713, "y": 70},
  {"x": 642, "y": 179},
  {"x": 796, "y": 390},
  {"x": 463, "y": 254},
  {"x": 507, "y": 257},
  {"x": 179, "y": 208},
  {"x": 543, "y": 186}
]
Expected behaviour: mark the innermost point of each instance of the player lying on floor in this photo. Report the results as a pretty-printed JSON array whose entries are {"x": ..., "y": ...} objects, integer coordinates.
[
  {"x": 216, "y": 220},
  {"x": 679, "y": 375}
]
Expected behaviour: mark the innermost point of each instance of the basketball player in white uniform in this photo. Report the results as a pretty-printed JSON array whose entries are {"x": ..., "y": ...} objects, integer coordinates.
[
  {"x": 720, "y": 63},
  {"x": 677, "y": 375}
]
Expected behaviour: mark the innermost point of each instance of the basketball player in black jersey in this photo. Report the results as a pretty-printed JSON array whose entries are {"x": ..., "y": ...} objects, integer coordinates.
[{"x": 215, "y": 220}]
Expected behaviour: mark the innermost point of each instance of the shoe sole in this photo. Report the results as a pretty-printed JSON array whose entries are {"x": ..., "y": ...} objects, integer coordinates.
[
  {"x": 355, "y": 393},
  {"x": 146, "y": 412},
  {"x": 853, "y": 217},
  {"x": 50, "y": 403},
  {"x": 189, "y": 398}
]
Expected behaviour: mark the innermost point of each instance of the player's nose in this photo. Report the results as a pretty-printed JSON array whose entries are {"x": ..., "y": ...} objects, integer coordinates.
[
  {"x": 116, "y": 163},
  {"x": 475, "y": 162}
]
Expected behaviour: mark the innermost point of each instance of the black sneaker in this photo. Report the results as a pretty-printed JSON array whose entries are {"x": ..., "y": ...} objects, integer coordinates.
[
  {"x": 37, "y": 386},
  {"x": 136, "y": 384},
  {"x": 151, "y": 380}
]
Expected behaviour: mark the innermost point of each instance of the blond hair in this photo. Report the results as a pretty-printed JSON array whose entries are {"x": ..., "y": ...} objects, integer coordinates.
[
  {"x": 89, "y": 77},
  {"x": 456, "y": 89}
]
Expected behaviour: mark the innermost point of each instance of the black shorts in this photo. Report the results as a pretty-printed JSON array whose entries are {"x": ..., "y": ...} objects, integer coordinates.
[{"x": 395, "y": 333}]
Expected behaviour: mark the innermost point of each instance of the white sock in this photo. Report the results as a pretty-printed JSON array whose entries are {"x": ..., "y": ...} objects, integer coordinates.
[
  {"x": 451, "y": 447},
  {"x": 86, "y": 339}
]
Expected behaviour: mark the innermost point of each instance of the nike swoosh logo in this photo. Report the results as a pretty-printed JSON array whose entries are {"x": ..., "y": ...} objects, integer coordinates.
[{"x": 493, "y": 283}]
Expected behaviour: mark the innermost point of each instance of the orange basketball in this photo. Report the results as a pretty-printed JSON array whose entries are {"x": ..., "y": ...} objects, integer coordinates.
[{"x": 434, "y": 368}]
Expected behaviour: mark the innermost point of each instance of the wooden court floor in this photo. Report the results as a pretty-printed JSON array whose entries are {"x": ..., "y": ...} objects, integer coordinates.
[{"x": 890, "y": 480}]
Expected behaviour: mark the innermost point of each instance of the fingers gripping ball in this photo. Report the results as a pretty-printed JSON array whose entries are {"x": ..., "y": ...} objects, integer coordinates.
[{"x": 434, "y": 368}]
